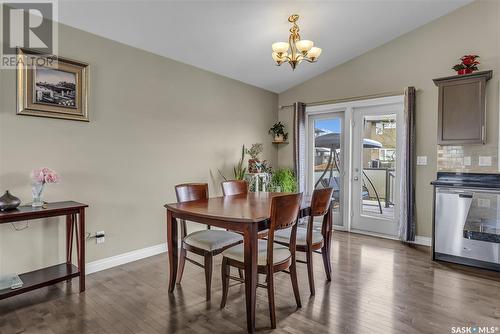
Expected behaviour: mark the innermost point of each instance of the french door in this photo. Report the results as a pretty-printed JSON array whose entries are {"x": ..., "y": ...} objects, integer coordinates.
[
  {"x": 375, "y": 174},
  {"x": 326, "y": 157}
]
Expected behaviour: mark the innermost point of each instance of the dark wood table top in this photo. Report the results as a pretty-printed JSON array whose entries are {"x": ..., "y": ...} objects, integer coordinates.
[
  {"x": 49, "y": 210},
  {"x": 246, "y": 208}
]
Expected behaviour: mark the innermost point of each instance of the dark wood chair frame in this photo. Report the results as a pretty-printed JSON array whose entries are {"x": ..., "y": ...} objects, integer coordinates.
[
  {"x": 320, "y": 206},
  {"x": 234, "y": 187},
  {"x": 284, "y": 213},
  {"x": 192, "y": 192}
]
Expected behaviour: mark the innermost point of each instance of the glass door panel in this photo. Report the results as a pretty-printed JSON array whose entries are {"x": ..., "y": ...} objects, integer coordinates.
[
  {"x": 378, "y": 166},
  {"x": 375, "y": 193},
  {"x": 326, "y": 157}
]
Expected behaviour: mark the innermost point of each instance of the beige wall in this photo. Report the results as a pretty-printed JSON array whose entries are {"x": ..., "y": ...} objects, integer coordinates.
[
  {"x": 154, "y": 123},
  {"x": 415, "y": 59}
]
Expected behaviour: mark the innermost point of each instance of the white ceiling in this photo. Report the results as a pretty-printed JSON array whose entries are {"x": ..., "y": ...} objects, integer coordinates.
[{"x": 233, "y": 38}]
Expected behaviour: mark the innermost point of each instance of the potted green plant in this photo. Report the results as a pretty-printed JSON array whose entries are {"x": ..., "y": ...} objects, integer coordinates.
[
  {"x": 283, "y": 180},
  {"x": 238, "y": 170},
  {"x": 254, "y": 162},
  {"x": 278, "y": 130}
]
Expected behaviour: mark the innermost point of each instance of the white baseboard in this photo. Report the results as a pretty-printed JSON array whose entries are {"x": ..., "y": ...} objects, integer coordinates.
[
  {"x": 120, "y": 259},
  {"x": 424, "y": 241},
  {"x": 139, "y": 254}
]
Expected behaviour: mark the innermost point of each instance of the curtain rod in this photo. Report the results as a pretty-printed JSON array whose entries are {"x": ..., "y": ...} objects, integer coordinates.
[
  {"x": 287, "y": 106},
  {"x": 349, "y": 99}
]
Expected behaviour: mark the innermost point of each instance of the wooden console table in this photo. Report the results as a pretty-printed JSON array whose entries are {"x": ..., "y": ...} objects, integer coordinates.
[{"x": 60, "y": 272}]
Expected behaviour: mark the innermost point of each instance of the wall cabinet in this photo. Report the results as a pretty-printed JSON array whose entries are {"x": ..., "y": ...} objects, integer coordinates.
[{"x": 462, "y": 108}]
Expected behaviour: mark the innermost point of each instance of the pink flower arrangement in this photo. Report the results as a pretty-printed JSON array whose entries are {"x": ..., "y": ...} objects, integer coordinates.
[{"x": 44, "y": 175}]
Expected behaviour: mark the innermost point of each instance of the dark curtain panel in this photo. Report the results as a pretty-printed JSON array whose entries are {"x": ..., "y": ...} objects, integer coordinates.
[
  {"x": 299, "y": 143},
  {"x": 411, "y": 158}
]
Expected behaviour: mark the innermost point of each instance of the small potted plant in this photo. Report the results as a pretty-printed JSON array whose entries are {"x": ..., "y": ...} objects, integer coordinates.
[
  {"x": 253, "y": 163},
  {"x": 467, "y": 65},
  {"x": 278, "y": 130}
]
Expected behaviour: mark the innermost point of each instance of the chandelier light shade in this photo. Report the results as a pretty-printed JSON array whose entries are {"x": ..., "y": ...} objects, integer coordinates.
[{"x": 296, "y": 50}]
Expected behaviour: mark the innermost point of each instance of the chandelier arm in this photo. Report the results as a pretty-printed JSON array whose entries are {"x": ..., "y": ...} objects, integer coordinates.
[{"x": 309, "y": 60}]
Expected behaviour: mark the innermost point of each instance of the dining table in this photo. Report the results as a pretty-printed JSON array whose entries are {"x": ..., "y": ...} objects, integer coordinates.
[{"x": 245, "y": 213}]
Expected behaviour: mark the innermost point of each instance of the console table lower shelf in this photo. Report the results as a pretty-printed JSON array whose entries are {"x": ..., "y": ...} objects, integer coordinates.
[
  {"x": 75, "y": 230},
  {"x": 42, "y": 277}
]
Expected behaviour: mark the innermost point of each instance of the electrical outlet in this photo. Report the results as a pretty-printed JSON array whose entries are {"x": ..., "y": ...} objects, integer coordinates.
[
  {"x": 484, "y": 161},
  {"x": 100, "y": 237},
  {"x": 483, "y": 202},
  {"x": 422, "y": 160}
]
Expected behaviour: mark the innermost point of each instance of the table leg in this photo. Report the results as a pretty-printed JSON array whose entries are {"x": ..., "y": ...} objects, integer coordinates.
[
  {"x": 81, "y": 247},
  {"x": 172, "y": 237},
  {"x": 327, "y": 239},
  {"x": 250, "y": 248},
  {"x": 69, "y": 238}
]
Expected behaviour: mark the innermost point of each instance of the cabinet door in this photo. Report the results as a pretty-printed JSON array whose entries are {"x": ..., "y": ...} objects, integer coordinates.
[{"x": 461, "y": 117}]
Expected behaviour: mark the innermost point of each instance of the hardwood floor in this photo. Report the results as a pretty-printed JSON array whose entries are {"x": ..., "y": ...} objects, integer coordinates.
[{"x": 378, "y": 286}]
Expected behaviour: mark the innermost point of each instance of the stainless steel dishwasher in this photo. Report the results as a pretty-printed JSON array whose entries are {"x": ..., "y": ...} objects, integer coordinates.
[{"x": 464, "y": 223}]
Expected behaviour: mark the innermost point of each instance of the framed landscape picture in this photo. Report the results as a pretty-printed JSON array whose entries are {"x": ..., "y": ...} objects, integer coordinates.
[{"x": 51, "y": 86}]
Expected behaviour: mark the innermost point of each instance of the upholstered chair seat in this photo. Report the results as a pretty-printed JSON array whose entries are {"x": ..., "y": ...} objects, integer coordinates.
[
  {"x": 211, "y": 240},
  {"x": 280, "y": 253},
  {"x": 284, "y": 236}
]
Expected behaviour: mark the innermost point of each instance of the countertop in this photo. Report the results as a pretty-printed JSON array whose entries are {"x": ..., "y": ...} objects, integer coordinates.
[{"x": 467, "y": 180}]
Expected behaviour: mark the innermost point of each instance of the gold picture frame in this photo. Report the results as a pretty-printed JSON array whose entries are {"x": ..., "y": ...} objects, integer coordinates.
[{"x": 51, "y": 86}]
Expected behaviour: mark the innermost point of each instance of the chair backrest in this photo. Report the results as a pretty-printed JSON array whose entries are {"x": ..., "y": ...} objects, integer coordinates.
[
  {"x": 320, "y": 202},
  {"x": 234, "y": 187},
  {"x": 284, "y": 212},
  {"x": 191, "y": 191}
]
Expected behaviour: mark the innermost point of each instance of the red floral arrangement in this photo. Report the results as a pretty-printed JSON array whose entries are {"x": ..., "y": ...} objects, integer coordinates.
[{"x": 468, "y": 64}]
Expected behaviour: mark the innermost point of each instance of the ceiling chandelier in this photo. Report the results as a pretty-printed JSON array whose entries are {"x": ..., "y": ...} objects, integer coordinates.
[{"x": 296, "y": 50}]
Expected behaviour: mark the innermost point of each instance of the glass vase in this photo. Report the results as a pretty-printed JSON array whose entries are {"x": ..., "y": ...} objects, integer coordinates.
[{"x": 37, "y": 190}]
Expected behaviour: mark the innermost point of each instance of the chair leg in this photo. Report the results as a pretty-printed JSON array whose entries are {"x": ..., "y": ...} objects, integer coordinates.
[
  {"x": 270, "y": 296},
  {"x": 208, "y": 274},
  {"x": 225, "y": 269},
  {"x": 240, "y": 272},
  {"x": 182, "y": 262},
  {"x": 310, "y": 270},
  {"x": 325, "y": 253},
  {"x": 295, "y": 284}
]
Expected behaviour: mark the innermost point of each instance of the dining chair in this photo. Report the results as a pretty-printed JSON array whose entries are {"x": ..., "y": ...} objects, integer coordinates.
[
  {"x": 308, "y": 240},
  {"x": 206, "y": 243},
  {"x": 234, "y": 187},
  {"x": 239, "y": 187},
  {"x": 271, "y": 257}
]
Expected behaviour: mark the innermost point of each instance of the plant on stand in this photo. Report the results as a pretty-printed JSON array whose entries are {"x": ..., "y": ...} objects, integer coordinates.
[
  {"x": 254, "y": 163},
  {"x": 278, "y": 130},
  {"x": 39, "y": 178}
]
